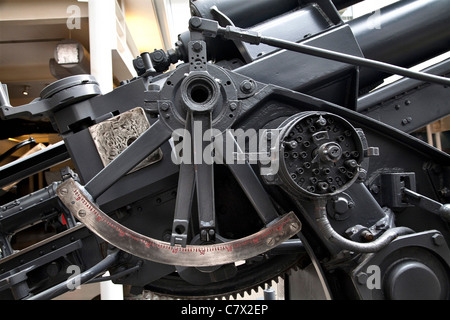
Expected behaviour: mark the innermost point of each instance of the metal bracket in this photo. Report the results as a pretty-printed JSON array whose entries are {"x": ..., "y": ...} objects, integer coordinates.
[{"x": 56, "y": 95}]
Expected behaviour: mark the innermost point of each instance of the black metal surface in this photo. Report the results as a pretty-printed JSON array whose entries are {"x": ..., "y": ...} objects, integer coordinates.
[
  {"x": 405, "y": 33},
  {"x": 334, "y": 166},
  {"x": 34, "y": 163},
  {"x": 402, "y": 104},
  {"x": 393, "y": 212},
  {"x": 321, "y": 78},
  {"x": 357, "y": 61},
  {"x": 84, "y": 277}
]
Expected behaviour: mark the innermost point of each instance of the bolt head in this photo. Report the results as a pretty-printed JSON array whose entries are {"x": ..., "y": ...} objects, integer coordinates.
[
  {"x": 341, "y": 205},
  {"x": 195, "y": 22},
  {"x": 362, "y": 278},
  {"x": 246, "y": 86},
  {"x": 294, "y": 226},
  {"x": 438, "y": 239},
  {"x": 164, "y": 106},
  {"x": 197, "y": 47},
  {"x": 270, "y": 241}
]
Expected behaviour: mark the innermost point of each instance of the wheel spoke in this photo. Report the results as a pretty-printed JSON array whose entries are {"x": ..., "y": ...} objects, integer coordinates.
[
  {"x": 204, "y": 176},
  {"x": 143, "y": 146},
  {"x": 185, "y": 194},
  {"x": 251, "y": 185},
  {"x": 183, "y": 205}
]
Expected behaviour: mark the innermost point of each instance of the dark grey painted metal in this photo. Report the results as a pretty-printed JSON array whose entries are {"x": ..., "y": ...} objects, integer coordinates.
[
  {"x": 354, "y": 60},
  {"x": 252, "y": 187},
  {"x": 408, "y": 104},
  {"x": 57, "y": 95},
  {"x": 253, "y": 37},
  {"x": 143, "y": 146},
  {"x": 342, "y": 4},
  {"x": 294, "y": 26},
  {"x": 84, "y": 277},
  {"x": 34, "y": 163},
  {"x": 204, "y": 179},
  {"x": 315, "y": 72},
  {"x": 185, "y": 195},
  {"x": 429, "y": 268},
  {"x": 133, "y": 198},
  {"x": 183, "y": 205},
  {"x": 404, "y": 34}
]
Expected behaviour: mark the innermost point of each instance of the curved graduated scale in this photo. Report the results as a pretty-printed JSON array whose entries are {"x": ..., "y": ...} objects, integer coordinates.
[{"x": 77, "y": 201}]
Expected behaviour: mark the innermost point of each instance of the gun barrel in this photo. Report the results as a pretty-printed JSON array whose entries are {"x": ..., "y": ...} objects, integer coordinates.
[{"x": 405, "y": 33}]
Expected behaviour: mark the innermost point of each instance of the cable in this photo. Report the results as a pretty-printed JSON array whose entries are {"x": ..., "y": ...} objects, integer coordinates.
[
  {"x": 21, "y": 144},
  {"x": 84, "y": 277},
  {"x": 116, "y": 275},
  {"x": 320, "y": 213}
]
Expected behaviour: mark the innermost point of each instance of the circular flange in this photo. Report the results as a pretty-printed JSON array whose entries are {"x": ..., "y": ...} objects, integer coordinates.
[
  {"x": 206, "y": 91},
  {"x": 67, "y": 83},
  {"x": 200, "y": 92},
  {"x": 320, "y": 154},
  {"x": 412, "y": 280}
]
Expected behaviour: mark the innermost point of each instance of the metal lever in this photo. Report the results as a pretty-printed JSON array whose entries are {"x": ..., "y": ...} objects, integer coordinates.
[{"x": 443, "y": 210}]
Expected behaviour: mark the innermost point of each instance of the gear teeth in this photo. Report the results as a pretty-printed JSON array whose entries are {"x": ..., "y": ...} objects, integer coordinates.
[{"x": 236, "y": 295}]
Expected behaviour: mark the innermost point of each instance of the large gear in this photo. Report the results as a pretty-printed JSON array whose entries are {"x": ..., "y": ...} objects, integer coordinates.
[{"x": 250, "y": 277}]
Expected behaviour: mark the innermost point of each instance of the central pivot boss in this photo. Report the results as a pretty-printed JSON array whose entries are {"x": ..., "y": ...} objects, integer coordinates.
[
  {"x": 200, "y": 92},
  {"x": 77, "y": 200}
]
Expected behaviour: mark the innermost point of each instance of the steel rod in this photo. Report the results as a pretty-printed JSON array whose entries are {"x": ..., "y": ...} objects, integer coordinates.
[
  {"x": 354, "y": 60},
  {"x": 87, "y": 275}
]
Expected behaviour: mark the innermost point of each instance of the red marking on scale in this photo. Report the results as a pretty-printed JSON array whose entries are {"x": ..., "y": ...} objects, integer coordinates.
[{"x": 202, "y": 250}]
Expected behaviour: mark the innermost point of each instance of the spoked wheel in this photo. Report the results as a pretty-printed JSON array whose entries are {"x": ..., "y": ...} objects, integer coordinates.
[{"x": 197, "y": 106}]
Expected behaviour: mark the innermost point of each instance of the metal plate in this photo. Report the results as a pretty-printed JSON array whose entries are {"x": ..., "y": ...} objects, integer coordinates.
[
  {"x": 77, "y": 200},
  {"x": 112, "y": 136}
]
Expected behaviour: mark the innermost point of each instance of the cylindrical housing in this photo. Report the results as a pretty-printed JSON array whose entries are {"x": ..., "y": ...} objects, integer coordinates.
[
  {"x": 320, "y": 154},
  {"x": 405, "y": 33}
]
